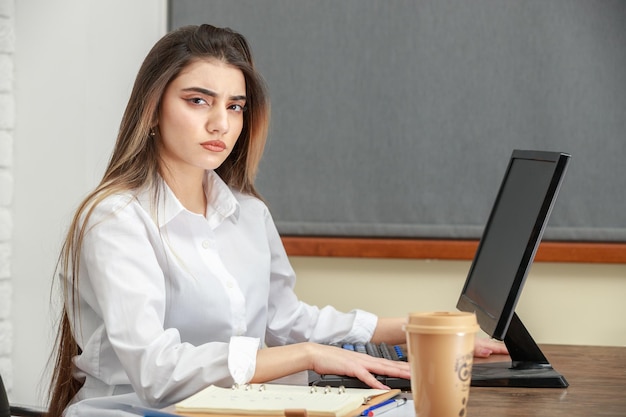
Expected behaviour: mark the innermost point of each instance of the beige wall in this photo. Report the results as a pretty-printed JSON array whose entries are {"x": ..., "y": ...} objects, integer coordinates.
[{"x": 561, "y": 303}]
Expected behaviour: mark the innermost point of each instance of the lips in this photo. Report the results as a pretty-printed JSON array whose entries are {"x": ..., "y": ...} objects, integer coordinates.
[{"x": 214, "y": 145}]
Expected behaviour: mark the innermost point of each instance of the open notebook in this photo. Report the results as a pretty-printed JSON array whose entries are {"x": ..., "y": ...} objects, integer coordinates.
[
  {"x": 280, "y": 400},
  {"x": 260, "y": 400}
]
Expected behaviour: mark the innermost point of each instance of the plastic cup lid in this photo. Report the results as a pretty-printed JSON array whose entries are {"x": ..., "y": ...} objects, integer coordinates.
[{"x": 442, "y": 322}]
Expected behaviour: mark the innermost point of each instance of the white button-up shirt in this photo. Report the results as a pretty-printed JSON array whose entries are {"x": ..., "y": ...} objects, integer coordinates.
[{"x": 171, "y": 301}]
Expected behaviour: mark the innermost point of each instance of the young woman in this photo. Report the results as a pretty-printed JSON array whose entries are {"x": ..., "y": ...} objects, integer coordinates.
[{"x": 175, "y": 277}]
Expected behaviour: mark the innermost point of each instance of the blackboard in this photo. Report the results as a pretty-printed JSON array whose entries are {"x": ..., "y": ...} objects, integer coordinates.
[{"x": 397, "y": 118}]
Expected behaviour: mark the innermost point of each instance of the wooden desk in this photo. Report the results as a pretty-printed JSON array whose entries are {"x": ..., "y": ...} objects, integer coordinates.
[{"x": 597, "y": 387}]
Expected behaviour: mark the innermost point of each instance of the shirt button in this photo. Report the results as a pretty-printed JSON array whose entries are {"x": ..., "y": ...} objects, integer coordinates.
[
  {"x": 230, "y": 284},
  {"x": 206, "y": 244}
]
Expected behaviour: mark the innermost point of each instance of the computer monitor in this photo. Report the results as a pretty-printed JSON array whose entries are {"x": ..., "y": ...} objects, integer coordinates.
[{"x": 505, "y": 253}]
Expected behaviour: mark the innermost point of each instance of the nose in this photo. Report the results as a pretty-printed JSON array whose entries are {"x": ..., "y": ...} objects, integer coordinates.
[{"x": 217, "y": 121}]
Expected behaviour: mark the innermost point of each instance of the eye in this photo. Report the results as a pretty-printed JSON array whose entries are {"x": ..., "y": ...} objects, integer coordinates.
[
  {"x": 197, "y": 101},
  {"x": 239, "y": 108}
]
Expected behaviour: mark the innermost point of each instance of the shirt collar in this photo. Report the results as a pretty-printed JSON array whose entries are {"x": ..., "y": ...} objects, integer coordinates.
[{"x": 221, "y": 202}]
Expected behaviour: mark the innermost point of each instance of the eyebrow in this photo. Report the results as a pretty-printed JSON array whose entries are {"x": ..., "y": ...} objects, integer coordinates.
[{"x": 211, "y": 93}]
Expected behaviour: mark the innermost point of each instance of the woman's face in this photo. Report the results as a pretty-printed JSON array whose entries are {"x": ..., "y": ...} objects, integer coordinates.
[{"x": 201, "y": 116}]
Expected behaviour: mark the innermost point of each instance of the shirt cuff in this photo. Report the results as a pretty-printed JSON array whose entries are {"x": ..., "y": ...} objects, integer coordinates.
[
  {"x": 242, "y": 353},
  {"x": 363, "y": 327}
]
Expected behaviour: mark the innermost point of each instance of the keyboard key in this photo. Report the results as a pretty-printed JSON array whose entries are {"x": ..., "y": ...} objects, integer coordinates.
[
  {"x": 372, "y": 350},
  {"x": 385, "y": 351}
]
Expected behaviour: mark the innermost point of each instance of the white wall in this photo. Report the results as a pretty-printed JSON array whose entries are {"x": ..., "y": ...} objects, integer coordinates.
[
  {"x": 7, "y": 130},
  {"x": 75, "y": 61}
]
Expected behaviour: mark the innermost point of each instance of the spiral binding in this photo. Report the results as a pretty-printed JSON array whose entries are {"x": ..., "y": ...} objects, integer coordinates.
[{"x": 314, "y": 388}]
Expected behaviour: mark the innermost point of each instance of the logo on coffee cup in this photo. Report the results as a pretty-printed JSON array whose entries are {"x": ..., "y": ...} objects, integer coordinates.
[{"x": 463, "y": 368}]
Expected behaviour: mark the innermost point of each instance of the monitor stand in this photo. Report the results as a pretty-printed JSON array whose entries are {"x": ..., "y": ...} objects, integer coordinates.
[{"x": 528, "y": 366}]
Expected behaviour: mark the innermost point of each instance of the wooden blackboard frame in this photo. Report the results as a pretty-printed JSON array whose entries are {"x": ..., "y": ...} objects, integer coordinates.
[{"x": 442, "y": 249}]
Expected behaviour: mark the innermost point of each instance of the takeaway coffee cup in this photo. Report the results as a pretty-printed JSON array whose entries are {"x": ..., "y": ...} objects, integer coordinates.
[{"x": 440, "y": 347}]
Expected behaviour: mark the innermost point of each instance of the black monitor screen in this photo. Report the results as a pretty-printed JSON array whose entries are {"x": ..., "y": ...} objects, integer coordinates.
[{"x": 505, "y": 241}]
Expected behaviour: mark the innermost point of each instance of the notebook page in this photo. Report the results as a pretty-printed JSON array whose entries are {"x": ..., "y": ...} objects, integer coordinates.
[{"x": 271, "y": 399}]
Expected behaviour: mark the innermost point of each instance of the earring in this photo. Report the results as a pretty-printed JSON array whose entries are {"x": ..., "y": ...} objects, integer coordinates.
[{"x": 152, "y": 133}]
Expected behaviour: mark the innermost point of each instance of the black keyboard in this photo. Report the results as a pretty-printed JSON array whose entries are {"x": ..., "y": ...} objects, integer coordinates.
[{"x": 382, "y": 350}]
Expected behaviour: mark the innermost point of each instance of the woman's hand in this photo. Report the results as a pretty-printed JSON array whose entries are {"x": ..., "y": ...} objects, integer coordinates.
[
  {"x": 277, "y": 362},
  {"x": 391, "y": 331},
  {"x": 483, "y": 348},
  {"x": 335, "y": 360}
]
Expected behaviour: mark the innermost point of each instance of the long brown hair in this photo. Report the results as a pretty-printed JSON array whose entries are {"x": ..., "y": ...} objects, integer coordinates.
[{"x": 134, "y": 162}]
